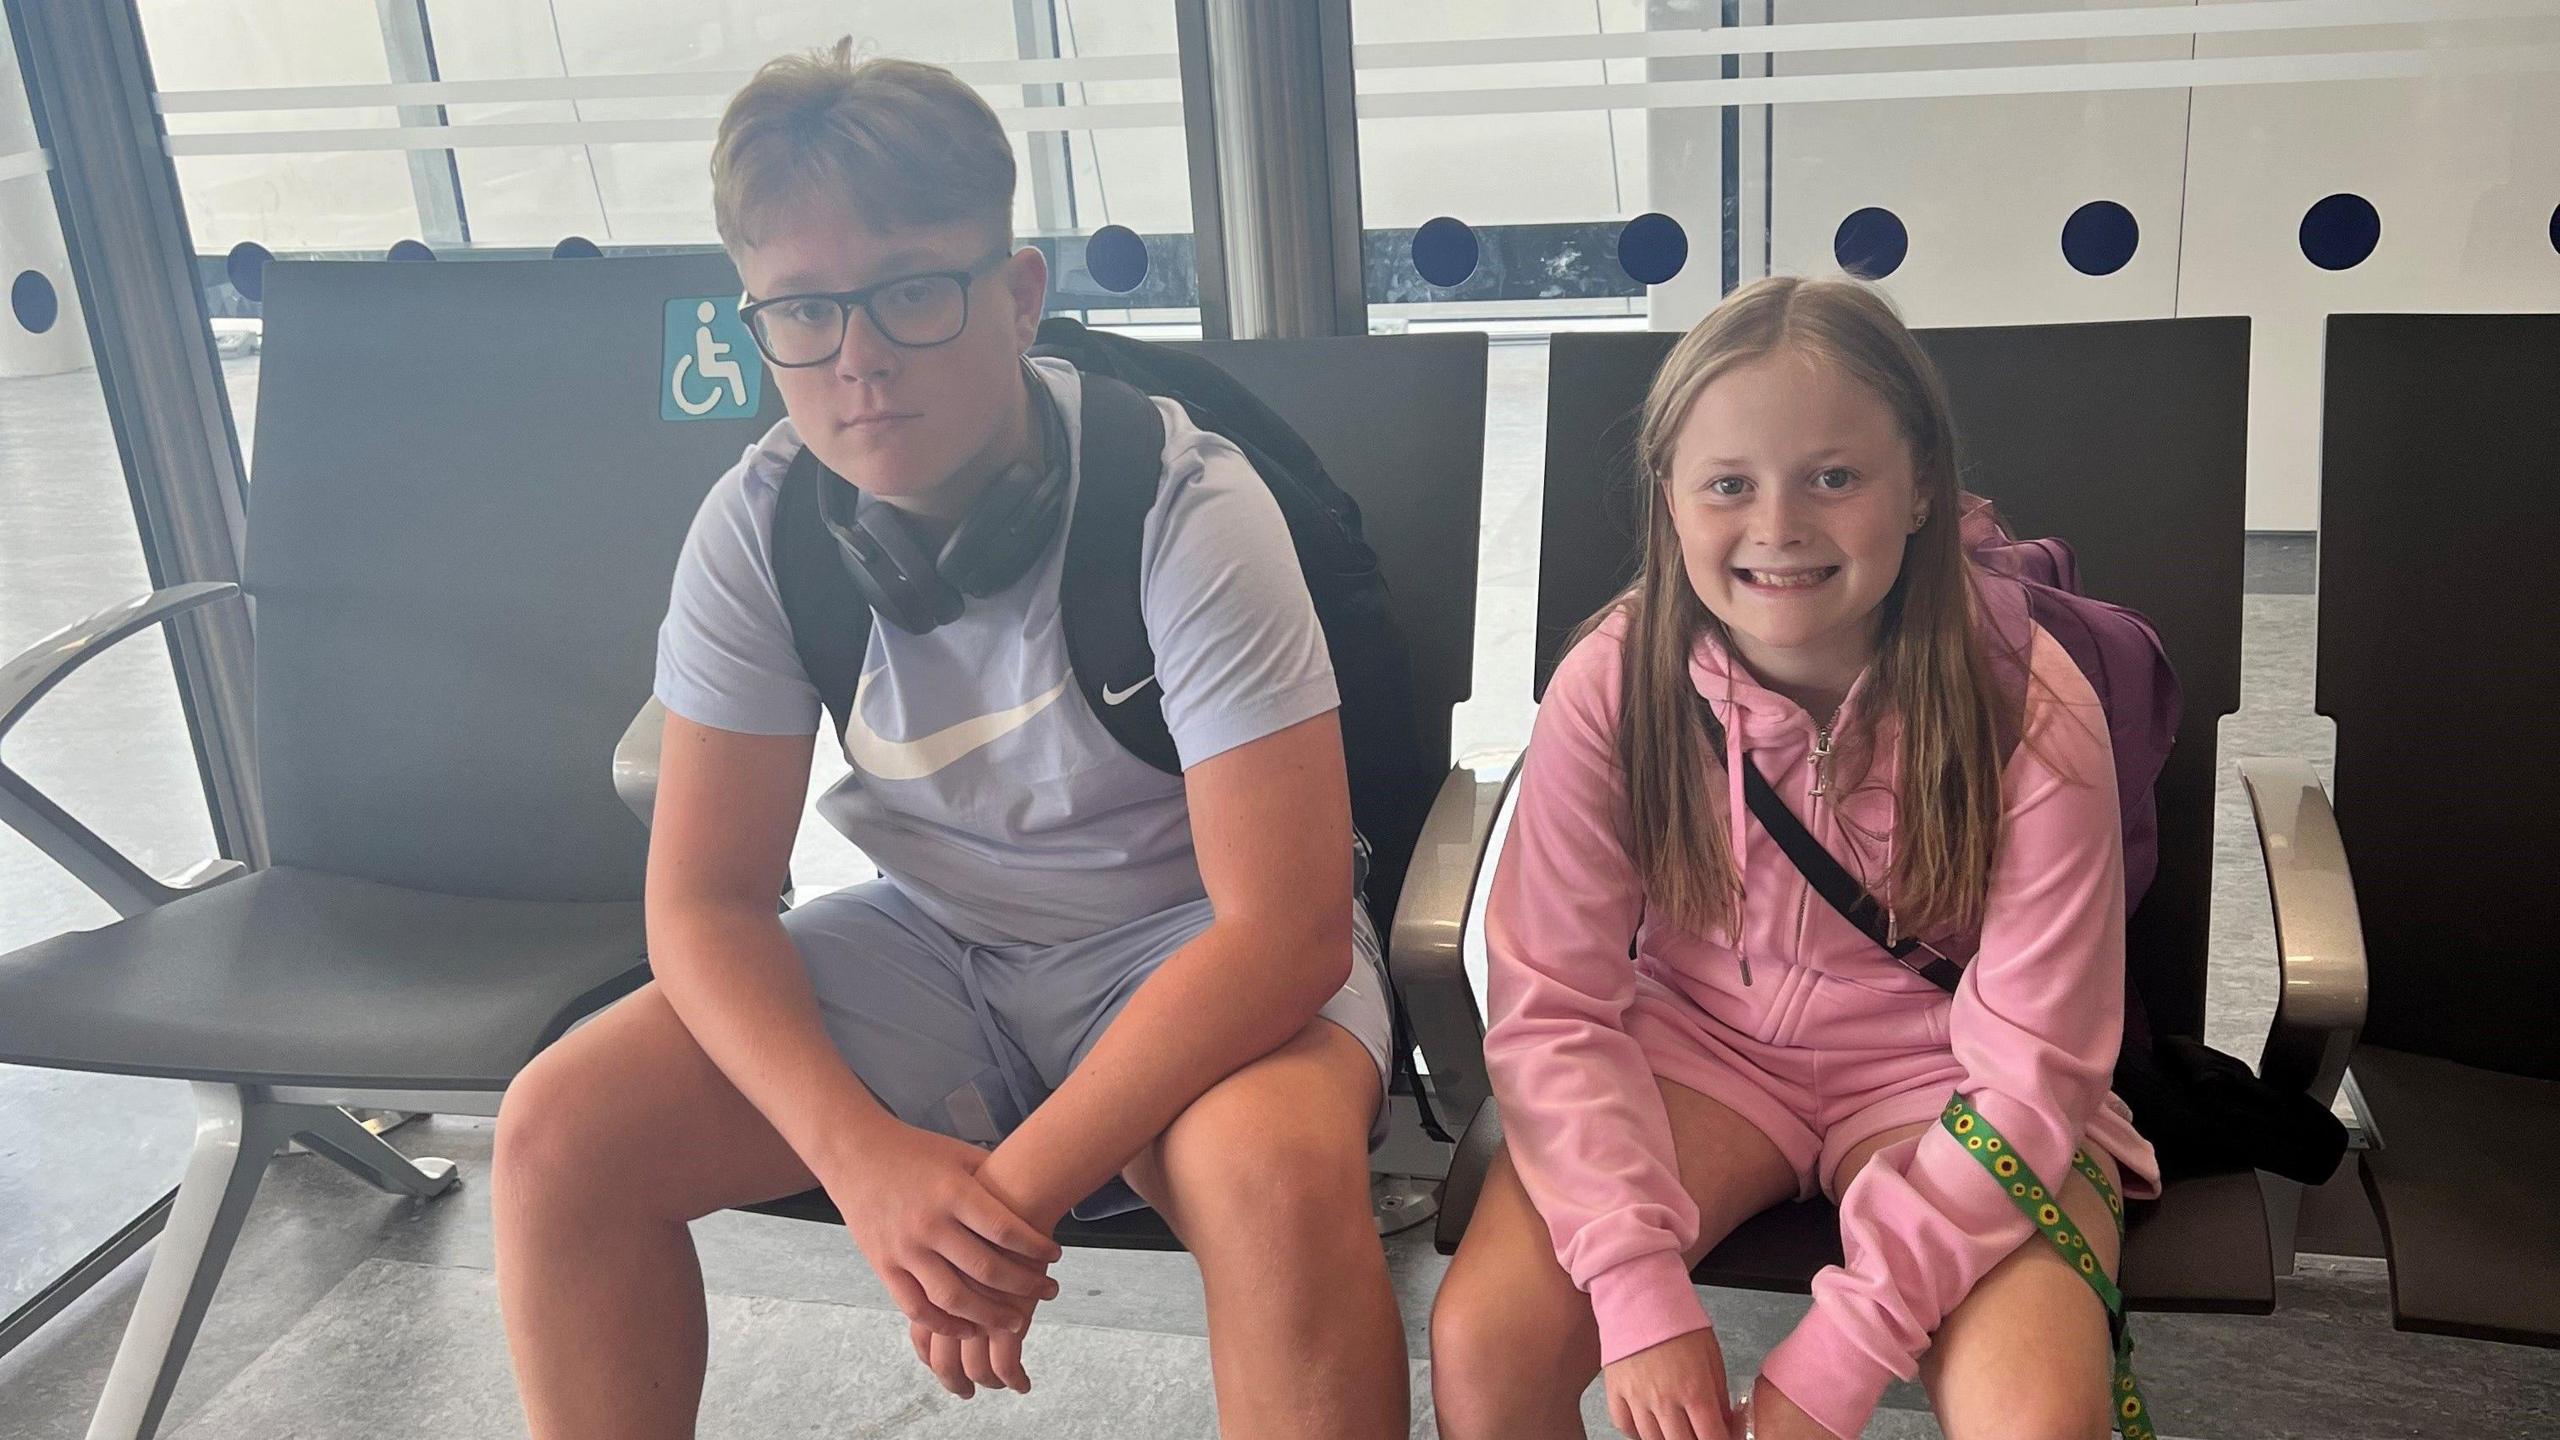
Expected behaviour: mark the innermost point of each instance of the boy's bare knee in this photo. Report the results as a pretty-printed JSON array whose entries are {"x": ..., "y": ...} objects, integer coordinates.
[
  {"x": 543, "y": 1142},
  {"x": 564, "y": 1146},
  {"x": 1288, "y": 1189}
]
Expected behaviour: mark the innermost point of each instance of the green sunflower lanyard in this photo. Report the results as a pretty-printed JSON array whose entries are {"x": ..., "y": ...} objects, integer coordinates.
[{"x": 2043, "y": 1206}]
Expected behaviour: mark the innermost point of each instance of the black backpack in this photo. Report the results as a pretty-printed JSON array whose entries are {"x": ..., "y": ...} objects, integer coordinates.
[{"x": 1392, "y": 779}]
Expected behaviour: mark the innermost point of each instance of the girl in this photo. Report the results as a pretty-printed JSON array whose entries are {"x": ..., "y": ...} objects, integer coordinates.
[{"x": 1683, "y": 1035}]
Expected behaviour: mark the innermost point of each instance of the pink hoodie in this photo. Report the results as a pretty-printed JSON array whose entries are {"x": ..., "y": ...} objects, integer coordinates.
[{"x": 2034, "y": 1028}]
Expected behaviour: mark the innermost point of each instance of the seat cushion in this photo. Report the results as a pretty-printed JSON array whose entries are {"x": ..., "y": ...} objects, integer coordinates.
[
  {"x": 2202, "y": 1246},
  {"x": 2470, "y": 1219},
  {"x": 298, "y": 977}
]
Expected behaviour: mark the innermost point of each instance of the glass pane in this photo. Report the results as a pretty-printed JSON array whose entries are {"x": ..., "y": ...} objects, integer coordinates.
[{"x": 82, "y": 1154}]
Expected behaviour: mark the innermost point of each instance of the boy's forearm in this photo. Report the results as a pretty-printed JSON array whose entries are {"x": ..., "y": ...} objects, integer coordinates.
[
  {"x": 737, "y": 983},
  {"x": 1217, "y": 1005}
]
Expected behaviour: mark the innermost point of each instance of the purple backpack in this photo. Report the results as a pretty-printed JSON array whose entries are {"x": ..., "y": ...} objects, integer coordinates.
[{"x": 2038, "y": 581}]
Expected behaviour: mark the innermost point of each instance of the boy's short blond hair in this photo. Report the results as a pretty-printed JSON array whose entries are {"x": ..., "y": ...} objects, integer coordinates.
[{"x": 899, "y": 142}]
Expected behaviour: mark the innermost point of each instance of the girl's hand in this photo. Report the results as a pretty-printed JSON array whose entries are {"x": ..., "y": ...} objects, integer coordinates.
[
  {"x": 1674, "y": 1391},
  {"x": 1775, "y": 1417}
]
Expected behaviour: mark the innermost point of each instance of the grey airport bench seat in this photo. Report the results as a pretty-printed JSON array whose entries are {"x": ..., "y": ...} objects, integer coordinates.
[
  {"x": 2130, "y": 440},
  {"x": 1399, "y": 423},
  {"x": 2438, "y": 513},
  {"x": 463, "y": 519}
]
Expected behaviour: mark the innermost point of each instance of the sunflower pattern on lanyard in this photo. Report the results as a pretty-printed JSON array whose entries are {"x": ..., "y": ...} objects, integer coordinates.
[{"x": 2029, "y": 1194}]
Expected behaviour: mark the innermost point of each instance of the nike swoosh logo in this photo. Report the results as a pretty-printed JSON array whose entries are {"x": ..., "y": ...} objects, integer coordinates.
[
  {"x": 1114, "y": 697},
  {"x": 876, "y": 754}
]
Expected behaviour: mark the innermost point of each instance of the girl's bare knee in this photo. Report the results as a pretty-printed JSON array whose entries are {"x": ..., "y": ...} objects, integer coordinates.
[{"x": 1502, "y": 1346}]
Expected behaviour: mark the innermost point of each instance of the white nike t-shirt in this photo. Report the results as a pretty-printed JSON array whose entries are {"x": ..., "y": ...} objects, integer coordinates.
[{"x": 982, "y": 783}]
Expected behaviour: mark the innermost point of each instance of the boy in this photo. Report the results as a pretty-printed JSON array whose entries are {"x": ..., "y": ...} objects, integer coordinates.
[{"x": 1078, "y": 976}]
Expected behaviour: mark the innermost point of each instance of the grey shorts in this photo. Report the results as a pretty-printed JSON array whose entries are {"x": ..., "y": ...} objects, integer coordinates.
[{"x": 967, "y": 1040}]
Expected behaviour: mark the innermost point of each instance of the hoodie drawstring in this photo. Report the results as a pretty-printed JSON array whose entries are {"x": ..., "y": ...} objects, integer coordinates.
[{"x": 1737, "y": 813}]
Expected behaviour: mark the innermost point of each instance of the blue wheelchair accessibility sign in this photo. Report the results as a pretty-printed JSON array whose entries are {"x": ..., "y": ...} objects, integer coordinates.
[{"x": 711, "y": 370}]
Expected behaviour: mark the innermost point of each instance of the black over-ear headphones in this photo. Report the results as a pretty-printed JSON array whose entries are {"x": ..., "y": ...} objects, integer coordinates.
[{"x": 1006, "y": 529}]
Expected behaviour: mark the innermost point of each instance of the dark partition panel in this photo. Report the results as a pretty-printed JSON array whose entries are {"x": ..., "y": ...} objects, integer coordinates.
[
  {"x": 2129, "y": 439},
  {"x": 2439, "y": 511}
]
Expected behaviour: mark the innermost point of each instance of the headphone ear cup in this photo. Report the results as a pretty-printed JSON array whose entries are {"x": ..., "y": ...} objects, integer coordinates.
[
  {"x": 1006, "y": 530},
  {"x": 896, "y": 577}
]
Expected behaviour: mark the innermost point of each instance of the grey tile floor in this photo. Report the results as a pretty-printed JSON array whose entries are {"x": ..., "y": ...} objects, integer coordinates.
[{"x": 349, "y": 1313}]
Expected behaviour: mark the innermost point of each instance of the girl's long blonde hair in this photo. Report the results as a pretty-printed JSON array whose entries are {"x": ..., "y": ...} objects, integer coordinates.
[{"x": 1930, "y": 669}]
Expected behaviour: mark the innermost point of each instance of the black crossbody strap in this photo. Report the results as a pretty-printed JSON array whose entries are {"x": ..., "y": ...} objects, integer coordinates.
[{"x": 1830, "y": 879}]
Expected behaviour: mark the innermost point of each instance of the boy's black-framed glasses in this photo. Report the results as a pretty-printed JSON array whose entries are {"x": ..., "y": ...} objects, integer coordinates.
[{"x": 916, "y": 311}]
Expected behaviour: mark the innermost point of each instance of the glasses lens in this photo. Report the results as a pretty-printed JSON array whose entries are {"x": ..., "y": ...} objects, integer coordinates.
[
  {"x": 801, "y": 331},
  {"x": 927, "y": 310}
]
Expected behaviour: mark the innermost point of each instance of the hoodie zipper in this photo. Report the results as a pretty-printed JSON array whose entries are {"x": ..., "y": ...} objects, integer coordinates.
[{"x": 1821, "y": 783}]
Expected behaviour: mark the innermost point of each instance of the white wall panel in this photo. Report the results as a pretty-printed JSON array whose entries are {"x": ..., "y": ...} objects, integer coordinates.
[{"x": 2464, "y": 172}]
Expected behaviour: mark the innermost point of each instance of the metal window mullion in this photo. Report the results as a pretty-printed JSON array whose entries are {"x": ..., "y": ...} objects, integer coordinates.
[
  {"x": 1340, "y": 119},
  {"x": 1052, "y": 169},
  {"x": 1200, "y": 146},
  {"x": 435, "y": 176},
  {"x": 1284, "y": 144},
  {"x": 125, "y": 235}
]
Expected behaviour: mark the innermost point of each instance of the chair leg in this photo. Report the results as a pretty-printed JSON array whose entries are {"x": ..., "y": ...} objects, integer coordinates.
[
  {"x": 340, "y": 1136},
  {"x": 235, "y": 1137},
  {"x": 2284, "y": 1220}
]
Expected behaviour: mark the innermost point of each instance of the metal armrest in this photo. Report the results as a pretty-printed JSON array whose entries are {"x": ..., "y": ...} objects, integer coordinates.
[
  {"x": 635, "y": 760},
  {"x": 1425, "y": 954},
  {"x": 27, "y": 678},
  {"x": 2319, "y": 938}
]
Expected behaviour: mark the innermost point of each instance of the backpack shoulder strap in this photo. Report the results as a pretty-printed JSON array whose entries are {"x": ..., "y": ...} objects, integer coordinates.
[
  {"x": 830, "y": 621},
  {"x": 2006, "y": 625},
  {"x": 1120, "y": 467}
]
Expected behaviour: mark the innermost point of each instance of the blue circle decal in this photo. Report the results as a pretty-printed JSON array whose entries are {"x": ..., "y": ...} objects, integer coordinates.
[
  {"x": 33, "y": 301},
  {"x": 2340, "y": 231},
  {"x": 246, "y": 267},
  {"x": 1652, "y": 248},
  {"x": 576, "y": 247},
  {"x": 1445, "y": 252},
  {"x": 1116, "y": 258},
  {"x": 410, "y": 250},
  {"x": 2100, "y": 237},
  {"x": 1871, "y": 243}
]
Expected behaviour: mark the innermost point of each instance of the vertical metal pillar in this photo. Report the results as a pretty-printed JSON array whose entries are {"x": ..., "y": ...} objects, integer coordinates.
[
  {"x": 1052, "y": 169},
  {"x": 435, "y": 176},
  {"x": 1280, "y": 154},
  {"x": 124, "y": 229}
]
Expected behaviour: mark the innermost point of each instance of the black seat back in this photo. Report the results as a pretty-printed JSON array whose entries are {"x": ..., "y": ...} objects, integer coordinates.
[
  {"x": 2439, "y": 507},
  {"x": 1398, "y": 421}
]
